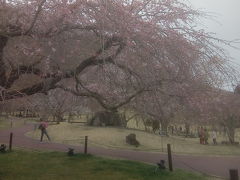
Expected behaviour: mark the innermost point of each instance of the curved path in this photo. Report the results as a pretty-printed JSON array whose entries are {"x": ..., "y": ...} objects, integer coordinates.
[{"x": 216, "y": 166}]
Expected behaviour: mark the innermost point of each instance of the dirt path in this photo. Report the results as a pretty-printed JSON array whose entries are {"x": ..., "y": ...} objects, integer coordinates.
[{"x": 218, "y": 166}]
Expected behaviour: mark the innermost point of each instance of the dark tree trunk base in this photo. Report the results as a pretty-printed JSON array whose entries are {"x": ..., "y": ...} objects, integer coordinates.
[{"x": 106, "y": 118}]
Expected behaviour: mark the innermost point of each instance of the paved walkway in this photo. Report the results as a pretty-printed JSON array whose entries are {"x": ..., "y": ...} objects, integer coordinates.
[{"x": 217, "y": 166}]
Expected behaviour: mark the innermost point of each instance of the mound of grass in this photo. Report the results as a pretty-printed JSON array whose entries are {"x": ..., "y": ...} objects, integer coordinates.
[{"x": 26, "y": 165}]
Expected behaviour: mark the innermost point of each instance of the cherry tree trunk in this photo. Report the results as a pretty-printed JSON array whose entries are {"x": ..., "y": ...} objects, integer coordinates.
[{"x": 107, "y": 118}]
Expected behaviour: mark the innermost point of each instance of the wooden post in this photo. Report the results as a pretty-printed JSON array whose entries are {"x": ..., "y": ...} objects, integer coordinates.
[
  {"x": 86, "y": 142},
  {"x": 233, "y": 174},
  {"x": 10, "y": 141},
  {"x": 169, "y": 157}
]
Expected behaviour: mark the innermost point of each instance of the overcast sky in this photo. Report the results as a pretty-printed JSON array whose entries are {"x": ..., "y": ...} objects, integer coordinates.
[{"x": 227, "y": 15}]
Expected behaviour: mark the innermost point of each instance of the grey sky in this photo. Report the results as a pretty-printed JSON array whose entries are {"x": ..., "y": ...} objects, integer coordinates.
[{"x": 227, "y": 15}]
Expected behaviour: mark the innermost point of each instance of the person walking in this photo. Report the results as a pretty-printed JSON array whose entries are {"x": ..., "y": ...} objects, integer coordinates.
[
  {"x": 43, "y": 127},
  {"x": 214, "y": 137},
  {"x": 201, "y": 135},
  {"x": 206, "y": 136}
]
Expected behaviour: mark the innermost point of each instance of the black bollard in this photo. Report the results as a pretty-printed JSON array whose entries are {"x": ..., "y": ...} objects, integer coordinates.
[
  {"x": 85, "y": 147},
  {"x": 169, "y": 157},
  {"x": 10, "y": 141},
  {"x": 233, "y": 174}
]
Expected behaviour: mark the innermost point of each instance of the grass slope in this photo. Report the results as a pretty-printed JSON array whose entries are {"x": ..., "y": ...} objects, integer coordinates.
[
  {"x": 23, "y": 165},
  {"x": 110, "y": 137}
]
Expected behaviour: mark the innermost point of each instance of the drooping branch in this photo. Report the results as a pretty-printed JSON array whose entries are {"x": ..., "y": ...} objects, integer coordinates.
[
  {"x": 99, "y": 98},
  {"x": 48, "y": 83},
  {"x": 90, "y": 94},
  {"x": 69, "y": 27},
  {"x": 3, "y": 41},
  {"x": 17, "y": 31},
  {"x": 129, "y": 99},
  {"x": 39, "y": 9},
  {"x": 12, "y": 94},
  {"x": 78, "y": 82},
  {"x": 50, "y": 80},
  {"x": 110, "y": 59},
  {"x": 131, "y": 117},
  {"x": 16, "y": 73}
]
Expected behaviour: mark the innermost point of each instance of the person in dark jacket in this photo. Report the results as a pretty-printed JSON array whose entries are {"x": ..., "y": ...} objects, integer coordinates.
[
  {"x": 206, "y": 136},
  {"x": 201, "y": 135}
]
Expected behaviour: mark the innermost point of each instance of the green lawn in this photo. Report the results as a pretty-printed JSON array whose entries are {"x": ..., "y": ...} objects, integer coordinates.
[
  {"x": 26, "y": 165},
  {"x": 111, "y": 137},
  {"x": 5, "y": 122}
]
